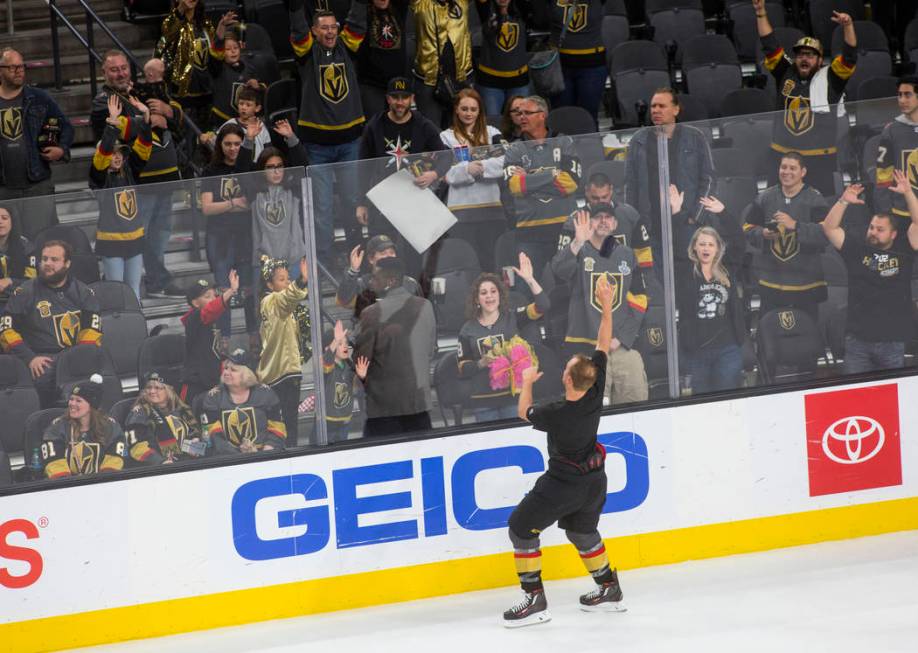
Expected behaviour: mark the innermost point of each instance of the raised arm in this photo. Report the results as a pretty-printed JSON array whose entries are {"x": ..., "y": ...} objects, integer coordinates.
[
  {"x": 904, "y": 187},
  {"x": 762, "y": 24},
  {"x": 831, "y": 226},
  {"x": 604, "y": 295}
]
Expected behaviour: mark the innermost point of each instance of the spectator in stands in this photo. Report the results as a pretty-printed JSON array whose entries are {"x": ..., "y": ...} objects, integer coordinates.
[
  {"x": 511, "y": 118},
  {"x": 203, "y": 344},
  {"x": 782, "y": 226},
  {"x": 47, "y": 315},
  {"x": 331, "y": 114},
  {"x": 398, "y": 335},
  {"x": 341, "y": 376},
  {"x": 383, "y": 54},
  {"x": 543, "y": 174},
  {"x": 691, "y": 171},
  {"x": 248, "y": 114},
  {"x": 166, "y": 119},
  {"x": 113, "y": 173},
  {"x": 492, "y": 324},
  {"x": 443, "y": 58},
  {"x": 229, "y": 220},
  {"x": 34, "y": 133},
  {"x": 592, "y": 253},
  {"x": 807, "y": 93},
  {"x": 84, "y": 440},
  {"x": 282, "y": 322},
  {"x": 576, "y": 29},
  {"x": 161, "y": 429},
  {"x": 356, "y": 290},
  {"x": 188, "y": 38},
  {"x": 474, "y": 189},
  {"x": 898, "y": 150},
  {"x": 228, "y": 77},
  {"x": 240, "y": 414},
  {"x": 712, "y": 327},
  {"x": 880, "y": 308},
  {"x": 503, "y": 64},
  {"x": 407, "y": 138},
  {"x": 16, "y": 261},
  {"x": 277, "y": 223}
]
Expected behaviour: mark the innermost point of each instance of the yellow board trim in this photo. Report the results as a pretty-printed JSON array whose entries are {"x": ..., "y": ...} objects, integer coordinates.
[{"x": 451, "y": 576}]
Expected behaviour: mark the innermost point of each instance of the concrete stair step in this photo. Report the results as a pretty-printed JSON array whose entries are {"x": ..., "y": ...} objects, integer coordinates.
[
  {"x": 35, "y": 43},
  {"x": 74, "y": 68},
  {"x": 30, "y": 14}
]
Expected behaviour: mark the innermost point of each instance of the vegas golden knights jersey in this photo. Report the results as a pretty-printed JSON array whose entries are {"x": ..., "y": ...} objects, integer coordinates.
[
  {"x": 897, "y": 150},
  {"x": 63, "y": 454},
  {"x": 153, "y": 435},
  {"x": 258, "y": 420}
]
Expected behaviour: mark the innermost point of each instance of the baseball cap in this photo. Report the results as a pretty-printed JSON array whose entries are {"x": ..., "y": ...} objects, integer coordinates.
[
  {"x": 810, "y": 43},
  {"x": 601, "y": 208},
  {"x": 197, "y": 289},
  {"x": 400, "y": 86},
  {"x": 238, "y": 356},
  {"x": 378, "y": 244}
]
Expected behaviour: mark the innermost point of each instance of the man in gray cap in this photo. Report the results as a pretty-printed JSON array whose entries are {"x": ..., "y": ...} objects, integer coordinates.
[{"x": 355, "y": 290}]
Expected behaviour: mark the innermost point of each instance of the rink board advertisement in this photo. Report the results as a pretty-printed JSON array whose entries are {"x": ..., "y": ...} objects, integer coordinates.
[{"x": 344, "y": 529}]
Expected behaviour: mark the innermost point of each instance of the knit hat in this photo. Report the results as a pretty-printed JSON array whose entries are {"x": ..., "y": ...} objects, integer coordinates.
[
  {"x": 90, "y": 391},
  {"x": 152, "y": 377}
]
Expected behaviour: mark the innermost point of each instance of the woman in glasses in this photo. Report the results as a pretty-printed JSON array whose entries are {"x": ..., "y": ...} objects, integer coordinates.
[{"x": 161, "y": 428}]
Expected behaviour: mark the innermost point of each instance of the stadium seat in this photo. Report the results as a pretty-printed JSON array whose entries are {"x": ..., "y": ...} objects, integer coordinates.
[
  {"x": 788, "y": 345},
  {"x": 752, "y": 136},
  {"x": 882, "y": 86},
  {"x": 615, "y": 27},
  {"x": 637, "y": 69},
  {"x": 272, "y": 16},
  {"x": 711, "y": 69},
  {"x": 736, "y": 178},
  {"x": 744, "y": 33},
  {"x": 197, "y": 408},
  {"x": 746, "y": 102},
  {"x": 873, "y": 57},
  {"x": 84, "y": 265},
  {"x": 32, "y": 433},
  {"x": 124, "y": 327},
  {"x": 614, "y": 170},
  {"x": 877, "y": 101},
  {"x": 120, "y": 410},
  {"x": 911, "y": 42},
  {"x": 821, "y": 16},
  {"x": 281, "y": 100},
  {"x": 869, "y": 159},
  {"x": 78, "y": 363},
  {"x": 651, "y": 344},
  {"x": 452, "y": 392},
  {"x": 6, "y": 472},
  {"x": 833, "y": 312},
  {"x": 693, "y": 109},
  {"x": 163, "y": 353},
  {"x": 18, "y": 400},
  {"x": 453, "y": 260},
  {"x": 571, "y": 121},
  {"x": 589, "y": 149},
  {"x": 675, "y": 22}
]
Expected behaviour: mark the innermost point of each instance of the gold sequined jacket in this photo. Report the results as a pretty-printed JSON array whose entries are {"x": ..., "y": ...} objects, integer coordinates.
[
  {"x": 451, "y": 20},
  {"x": 185, "y": 49}
]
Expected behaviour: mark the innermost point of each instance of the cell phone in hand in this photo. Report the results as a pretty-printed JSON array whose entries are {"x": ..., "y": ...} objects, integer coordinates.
[{"x": 771, "y": 225}]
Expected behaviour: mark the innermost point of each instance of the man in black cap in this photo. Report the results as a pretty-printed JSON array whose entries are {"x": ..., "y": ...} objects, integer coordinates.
[
  {"x": 202, "y": 340},
  {"x": 355, "y": 289},
  {"x": 807, "y": 93}
]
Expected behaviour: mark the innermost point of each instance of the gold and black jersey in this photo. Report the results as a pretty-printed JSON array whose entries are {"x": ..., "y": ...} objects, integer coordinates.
[
  {"x": 65, "y": 453},
  {"x": 897, "y": 150}
]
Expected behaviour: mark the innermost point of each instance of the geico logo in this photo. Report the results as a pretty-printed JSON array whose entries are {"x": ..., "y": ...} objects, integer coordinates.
[
  {"x": 18, "y": 554},
  {"x": 298, "y": 508}
]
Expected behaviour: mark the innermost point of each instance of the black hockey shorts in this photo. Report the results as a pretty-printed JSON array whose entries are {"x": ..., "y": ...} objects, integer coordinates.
[{"x": 574, "y": 501}]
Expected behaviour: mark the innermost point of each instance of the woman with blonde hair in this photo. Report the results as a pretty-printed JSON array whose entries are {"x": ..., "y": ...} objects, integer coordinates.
[
  {"x": 710, "y": 304},
  {"x": 474, "y": 178},
  {"x": 161, "y": 428}
]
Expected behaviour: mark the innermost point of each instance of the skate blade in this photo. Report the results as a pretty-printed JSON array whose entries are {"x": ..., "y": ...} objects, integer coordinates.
[
  {"x": 608, "y": 606},
  {"x": 531, "y": 620}
]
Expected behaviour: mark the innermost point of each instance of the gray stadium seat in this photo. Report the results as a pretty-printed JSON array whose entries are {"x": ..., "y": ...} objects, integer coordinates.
[
  {"x": 124, "y": 327},
  {"x": 746, "y": 102},
  {"x": 615, "y": 27},
  {"x": 873, "y": 57},
  {"x": 821, "y": 16},
  {"x": 455, "y": 261},
  {"x": 745, "y": 35},
  {"x": 18, "y": 400},
  {"x": 571, "y": 121},
  {"x": 163, "y": 353},
  {"x": 911, "y": 42},
  {"x": 711, "y": 69},
  {"x": 34, "y": 429},
  {"x": 78, "y": 363},
  {"x": 637, "y": 69},
  {"x": 675, "y": 21},
  {"x": 788, "y": 345}
]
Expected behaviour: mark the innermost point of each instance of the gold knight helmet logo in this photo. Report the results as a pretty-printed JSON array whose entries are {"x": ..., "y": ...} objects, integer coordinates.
[
  {"x": 575, "y": 14},
  {"x": 787, "y": 320},
  {"x": 84, "y": 457},
  {"x": 126, "y": 204},
  {"x": 178, "y": 427},
  {"x": 199, "y": 56},
  {"x": 239, "y": 425},
  {"x": 66, "y": 328},
  {"x": 615, "y": 280},
  {"x": 655, "y": 336},
  {"x": 785, "y": 246},
  {"x": 230, "y": 188},
  {"x": 333, "y": 82},
  {"x": 910, "y": 166},
  {"x": 342, "y": 395},
  {"x": 509, "y": 36},
  {"x": 798, "y": 115},
  {"x": 11, "y": 123},
  {"x": 275, "y": 212}
]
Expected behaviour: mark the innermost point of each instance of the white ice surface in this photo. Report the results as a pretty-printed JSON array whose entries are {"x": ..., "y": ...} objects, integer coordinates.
[{"x": 856, "y": 595}]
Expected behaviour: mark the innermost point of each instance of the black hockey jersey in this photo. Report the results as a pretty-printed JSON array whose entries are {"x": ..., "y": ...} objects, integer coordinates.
[
  {"x": 153, "y": 435},
  {"x": 64, "y": 455},
  {"x": 258, "y": 420},
  {"x": 897, "y": 150}
]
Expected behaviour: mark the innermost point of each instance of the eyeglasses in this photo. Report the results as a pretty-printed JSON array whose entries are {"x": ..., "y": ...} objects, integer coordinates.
[
  {"x": 14, "y": 67},
  {"x": 526, "y": 113},
  {"x": 275, "y": 166}
]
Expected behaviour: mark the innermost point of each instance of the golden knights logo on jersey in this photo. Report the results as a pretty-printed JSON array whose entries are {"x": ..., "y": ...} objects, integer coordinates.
[
  {"x": 615, "y": 280},
  {"x": 342, "y": 395},
  {"x": 575, "y": 14},
  {"x": 275, "y": 212},
  {"x": 66, "y": 327},
  {"x": 785, "y": 245},
  {"x": 11, "y": 123},
  {"x": 655, "y": 336},
  {"x": 333, "y": 82},
  {"x": 798, "y": 115},
  {"x": 234, "y": 102},
  {"x": 239, "y": 425},
  {"x": 787, "y": 320},
  {"x": 487, "y": 344},
  {"x": 84, "y": 457},
  {"x": 178, "y": 427},
  {"x": 508, "y": 36},
  {"x": 910, "y": 166},
  {"x": 230, "y": 188},
  {"x": 199, "y": 56},
  {"x": 126, "y": 204}
]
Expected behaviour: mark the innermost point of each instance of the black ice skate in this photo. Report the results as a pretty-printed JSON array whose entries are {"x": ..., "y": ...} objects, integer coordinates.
[
  {"x": 532, "y": 609},
  {"x": 605, "y": 598}
]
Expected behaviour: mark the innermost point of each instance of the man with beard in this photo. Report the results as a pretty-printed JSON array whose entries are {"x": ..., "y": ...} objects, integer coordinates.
[
  {"x": 595, "y": 253},
  {"x": 879, "y": 281},
  {"x": 47, "y": 315},
  {"x": 34, "y": 133},
  {"x": 807, "y": 93}
]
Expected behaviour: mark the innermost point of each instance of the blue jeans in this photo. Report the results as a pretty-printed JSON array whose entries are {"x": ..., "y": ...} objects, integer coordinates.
[
  {"x": 128, "y": 270},
  {"x": 228, "y": 250},
  {"x": 156, "y": 210},
  {"x": 714, "y": 368},
  {"x": 496, "y": 98},
  {"x": 323, "y": 190},
  {"x": 863, "y": 356},
  {"x": 493, "y": 414},
  {"x": 583, "y": 87}
]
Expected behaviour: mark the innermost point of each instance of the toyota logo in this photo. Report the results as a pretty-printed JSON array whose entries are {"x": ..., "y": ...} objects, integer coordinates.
[{"x": 853, "y": 431}]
